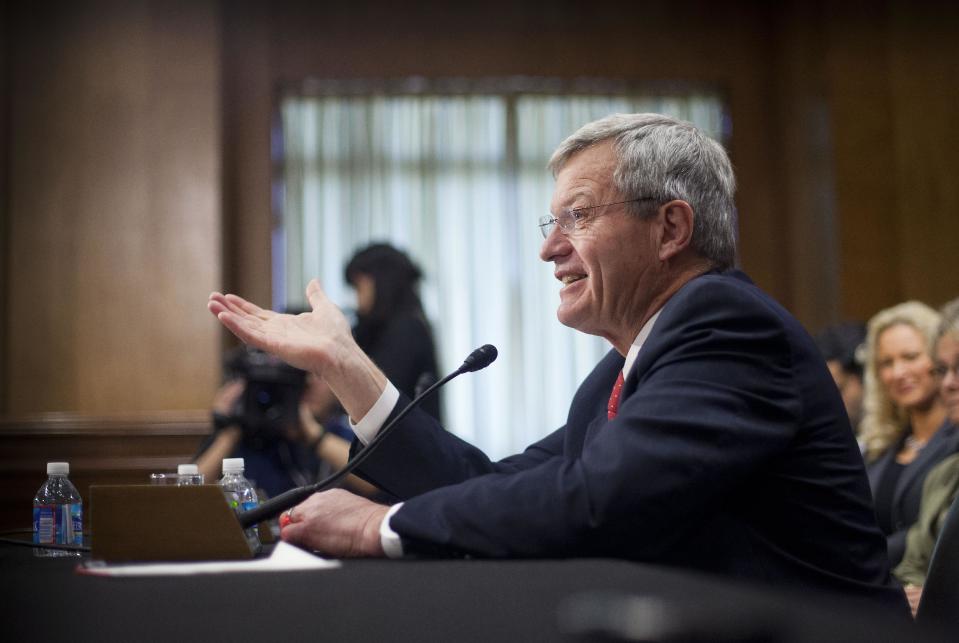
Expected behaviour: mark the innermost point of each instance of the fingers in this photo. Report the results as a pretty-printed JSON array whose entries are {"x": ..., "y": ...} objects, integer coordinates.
[
  {"x": 227, "y": 395},
  {"x": 240, "y": 305},
  {"x": 243, "y": 319},
  {"x": 245, "y": 328},
  {"x": 219, "y": 303},
  {"x": 232, "y": 390},
  {"x": 286, "y": 518},
  {"x": 311, "y": 430},
  {"x": 293, "y": 525},
  {"x": 216, "y": 304},
  {"x": 315, "y": 294},
  {"x": 237, "y": 305},
  {"x": 319, "y": 522}
]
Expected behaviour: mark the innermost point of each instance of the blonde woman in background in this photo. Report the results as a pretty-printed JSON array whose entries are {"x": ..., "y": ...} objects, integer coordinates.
[{"x": 904, "y": 429}]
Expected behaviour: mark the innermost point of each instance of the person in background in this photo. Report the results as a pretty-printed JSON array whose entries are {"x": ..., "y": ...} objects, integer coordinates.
[
  {"x": 840, "y": 345},
  {"x": 904, "y": 427},
  {"x": 391, "y": 326},
  {"x": 942, "y": 483},
  {"x": 711, "y": 437},
  {"x": 266, "y": 412}
]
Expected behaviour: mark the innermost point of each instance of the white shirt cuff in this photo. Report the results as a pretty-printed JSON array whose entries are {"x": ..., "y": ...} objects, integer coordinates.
[
  {"x": 371, "y": 423},
  {"x": 389, "y": 539}
]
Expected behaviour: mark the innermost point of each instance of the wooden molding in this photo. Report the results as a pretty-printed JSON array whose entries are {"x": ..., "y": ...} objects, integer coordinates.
[
  {"x": 101, "y": 449},
  {"x": 172, "y": 423}
]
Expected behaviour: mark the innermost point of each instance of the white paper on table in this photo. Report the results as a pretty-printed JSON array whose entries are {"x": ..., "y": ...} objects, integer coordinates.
[{"x": 285, "y": 557}]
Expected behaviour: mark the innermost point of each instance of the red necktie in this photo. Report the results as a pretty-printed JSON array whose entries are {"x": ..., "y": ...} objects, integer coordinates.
[{"x": 613, "y": 407}]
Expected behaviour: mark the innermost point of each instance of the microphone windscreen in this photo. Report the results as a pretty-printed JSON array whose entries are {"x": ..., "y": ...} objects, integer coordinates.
[{"x": 480, "y": 358}]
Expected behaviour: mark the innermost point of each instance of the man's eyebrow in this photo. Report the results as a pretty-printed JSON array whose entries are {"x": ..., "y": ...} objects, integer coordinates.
[{"x": 575, "y": 196}]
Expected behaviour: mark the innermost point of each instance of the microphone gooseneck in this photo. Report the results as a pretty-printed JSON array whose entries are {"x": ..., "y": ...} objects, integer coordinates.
[{"x": 478, "y": 359}]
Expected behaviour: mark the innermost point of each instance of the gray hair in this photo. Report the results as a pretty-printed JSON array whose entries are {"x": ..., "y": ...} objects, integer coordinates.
[
  {"x": 666, "y": 159},
  {"x": 949, "y": 325}
]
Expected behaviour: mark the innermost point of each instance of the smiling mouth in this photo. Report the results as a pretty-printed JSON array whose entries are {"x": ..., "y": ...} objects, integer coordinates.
[{"x": 568, "y": 279}]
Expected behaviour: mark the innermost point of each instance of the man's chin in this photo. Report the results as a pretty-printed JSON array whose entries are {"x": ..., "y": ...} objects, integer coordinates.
[
  {"x": 575, "y": 319},
  {"x": 566, "y": 317}
]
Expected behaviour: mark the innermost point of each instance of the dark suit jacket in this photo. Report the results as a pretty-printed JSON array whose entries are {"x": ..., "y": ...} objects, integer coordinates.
[
  {"x": 907, "y": 496},
  {"x": 731, "y": 454}
]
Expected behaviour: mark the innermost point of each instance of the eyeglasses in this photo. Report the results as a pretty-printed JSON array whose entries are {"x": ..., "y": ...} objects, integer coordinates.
[{"x": 568, "y": 219}]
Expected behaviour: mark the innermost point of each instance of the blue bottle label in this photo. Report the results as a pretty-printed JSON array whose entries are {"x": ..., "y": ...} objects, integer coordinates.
[
  {"x": 58, "y": 524},
  {"x": 44, "y": 525},
  {"x": 76, "y": 523}
]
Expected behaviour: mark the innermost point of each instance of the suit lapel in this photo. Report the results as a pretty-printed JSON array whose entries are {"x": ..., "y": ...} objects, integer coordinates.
[
  {"x": 588, "y": 410},
  {"x": 630, "y": 384},
  {"x": 600, "y": 420}
]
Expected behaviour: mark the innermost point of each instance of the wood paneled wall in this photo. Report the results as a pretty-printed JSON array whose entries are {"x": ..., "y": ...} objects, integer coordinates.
[
  {"x": 111, "y": 239},
  {"x": 135, "y": 173},
  {"x": 117, "y": 449},
  {"x": 114, "y": 202},
  {"x": 893, "y": 74}
]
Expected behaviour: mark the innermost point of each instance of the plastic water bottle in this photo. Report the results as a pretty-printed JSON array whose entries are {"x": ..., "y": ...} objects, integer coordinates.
[
  {"x": 188, "y": 474},
  {"x": 240, "y": 495},
  {"x": 57, "y": 513}
]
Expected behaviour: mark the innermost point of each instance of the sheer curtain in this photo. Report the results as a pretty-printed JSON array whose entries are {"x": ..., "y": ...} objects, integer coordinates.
[{"x": 457, "y": 181}]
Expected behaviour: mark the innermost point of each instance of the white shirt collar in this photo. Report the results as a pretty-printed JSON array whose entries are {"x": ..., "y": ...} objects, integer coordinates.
[{"x": 638, "y": 342}]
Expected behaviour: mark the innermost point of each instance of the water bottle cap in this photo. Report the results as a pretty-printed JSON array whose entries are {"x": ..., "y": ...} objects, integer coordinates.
[
  {"x": 187, "y": 469},
  {"x": 232, "y": 465},
  {"x": 58, "y": 468}
]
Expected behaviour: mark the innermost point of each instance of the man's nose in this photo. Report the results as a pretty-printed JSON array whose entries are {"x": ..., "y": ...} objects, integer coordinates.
[{"x": 556, "y": 244}]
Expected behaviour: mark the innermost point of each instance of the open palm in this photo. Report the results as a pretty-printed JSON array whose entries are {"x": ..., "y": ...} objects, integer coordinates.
[{"x": 308, "y": 341}]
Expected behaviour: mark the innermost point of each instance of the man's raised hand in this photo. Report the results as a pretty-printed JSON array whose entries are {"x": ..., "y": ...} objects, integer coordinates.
[{"x": 310, "y": 341}]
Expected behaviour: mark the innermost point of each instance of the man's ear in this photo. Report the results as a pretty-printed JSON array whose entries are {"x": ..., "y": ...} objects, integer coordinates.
[{"x": 676, "y": 218}]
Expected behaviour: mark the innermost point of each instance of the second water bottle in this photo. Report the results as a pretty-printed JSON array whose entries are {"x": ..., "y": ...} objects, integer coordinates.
[{"x": 240, "y": 495}]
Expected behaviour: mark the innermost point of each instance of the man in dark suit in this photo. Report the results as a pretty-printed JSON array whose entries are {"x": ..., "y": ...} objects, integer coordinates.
[{"x": 711, "y": 437}]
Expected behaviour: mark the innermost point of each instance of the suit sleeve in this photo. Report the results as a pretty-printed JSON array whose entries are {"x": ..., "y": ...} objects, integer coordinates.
[
  {"x": 716, "y": 400},
  {"x": 420, "y": 455}
]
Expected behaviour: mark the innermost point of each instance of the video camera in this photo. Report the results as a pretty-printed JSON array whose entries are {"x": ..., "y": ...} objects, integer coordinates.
[{"x": 271, "y": 400}]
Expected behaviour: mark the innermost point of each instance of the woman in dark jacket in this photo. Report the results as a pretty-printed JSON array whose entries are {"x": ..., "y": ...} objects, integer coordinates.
[
  {"x": 905, "y": 428},
  {"x": 391, "y": 326}
]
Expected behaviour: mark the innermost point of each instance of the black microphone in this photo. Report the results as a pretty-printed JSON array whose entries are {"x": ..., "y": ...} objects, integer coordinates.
[{"x": 478, "y": 359}]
